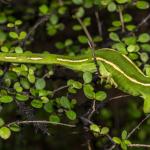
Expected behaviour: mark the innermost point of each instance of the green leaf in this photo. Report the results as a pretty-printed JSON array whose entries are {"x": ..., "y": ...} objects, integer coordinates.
[
  {"x": 51, "y": 30},
  {"x": 116, "y": 23},
  {"x": 17, "y": 87},
  {"x": 14, "y": 127},
  {"x": 18, "y": 50},
  {"x": 87, "y": 21},
  {"x": 89, "y": 91},
  {"x": 144, "y": 37},
  {"x": 2, "y": 37},
  {"x": 54, "y": 118},
  {"x": 6, "y": 99},
  {"x": 104, "y": 2},
  {"x": 130, "y": 27},
  {"x": 142, "y": 4},
  {"x": 4, "y": 49},
  {"x": 87, "y": 77},
  {"x": 116, "y": 140},
  {"x": 77, "y": 2},
  {"x": 127, "y": 142},
  {"x": 71, "y": 115},
  {"x": 13, "y": 35},
  {"x": 31, "y": 78},
  {"x": 72, "y": 90},
  {"x": 74, "y": 84},
  {"x": 48, "y": 107},
  {"x": 145, "y": 47},
  {"x": 64, "y": 102},
  {"x": 144, "y": 57},
  {"x": 113, "y": 36},
  {"x": 3, "y": 19},
  {"x": 133, "y": 48},
  {"x": 1, "y": 122},
  {"x": 54, "y": 19},
  {"x": 5, "y": 133},
  {"x": 76, "y": 27},
  {"x": 25, "y": 83},
  {"x": 130, "y": 40},
  {"x": 133, "y": 56},
  {"x": 88, "y": 3},
  {"x": 36, "y": 103},
  {"x": 80, "y": 12},
  {"x": 104, "y": 130},
  {"x": 121, "y": 47},
  {"x": 22, "y": 35},
  {"x": 10, "y": 25},
  {"x": 68, "y": 42},
  {"x": 123, "y": 146},
  {"x": 100, "y": 96},
  {"x": 40, "y": 84},
  {"x": 62, "y": 10},
  {"x": 95, "y": 128},
  {"x": 18, "y": 22},
  {"x": 121, "y": 1},
  {"x": 59, "y": 45},
  {"x": 22, "y": 97},
  {"x": 43, "y": 9},
  {"x": 127, "y": 18},
  {"x": 1, "y": 72},
  {"x": 82, "y": 39},
  {"x": 112, "y": 7},
  {"x": 124, "y": 134}
]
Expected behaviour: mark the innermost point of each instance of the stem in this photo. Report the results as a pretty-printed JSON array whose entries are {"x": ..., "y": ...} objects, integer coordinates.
[
  {"x": 41, "y": 122},
  {"x": 121, "y": 18}
]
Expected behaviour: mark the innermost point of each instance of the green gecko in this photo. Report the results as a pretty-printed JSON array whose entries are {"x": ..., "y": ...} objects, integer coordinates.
[{"x": 124, "y": 73}]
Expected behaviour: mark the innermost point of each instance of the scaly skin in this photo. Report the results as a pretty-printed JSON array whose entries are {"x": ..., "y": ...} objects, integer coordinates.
[{"x": 124, "y": 72}]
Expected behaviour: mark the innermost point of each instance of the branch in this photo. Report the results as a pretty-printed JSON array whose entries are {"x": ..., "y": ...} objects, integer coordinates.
[
  {"x": 91, "y": 43},
  {"x": 143, "y": 21},
  {"x": 118, "y": 97},
  {"x": 121, "y": 18},
  {"x": 99, "y": 25},
  {"x": 139, "y": 145},
  {"x": 35, "y": 26},
  {"x": 138, "y": 126},
  {"x": 86, "y": 32},
  {"x": 40, "y": 122},
  {"x": 60, "y": 88}
]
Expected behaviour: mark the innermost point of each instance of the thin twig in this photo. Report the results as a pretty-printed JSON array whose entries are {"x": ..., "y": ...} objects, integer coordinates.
[
  {"x": 139, "y": 145},
  {"x": 89, "y": 145},
  {"x": 143, "y": 21},
  {"x": 112, "y": 147},
  {"x": 118, "y": 97},
  {"x": 5, "y": 1},
  {"x": 110, "y": 138},
  {"x": 91, "y": 44},
  {"x": 93, "y": 109},
  {"x": 35, "y": 26},
  {"x": 60, "y": 88},
  {"x": 40, "y": 122},
  {"x": 121, "y": 18},
  {"x": 61, "y": 3},
  {"x": 86, "y": 32},
  {"x": 138, "y": 126},
  {"x": 99, "y": 25}
]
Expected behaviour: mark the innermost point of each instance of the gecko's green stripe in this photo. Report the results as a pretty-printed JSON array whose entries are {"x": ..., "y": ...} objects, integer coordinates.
[{"x": 125, "y": 73}]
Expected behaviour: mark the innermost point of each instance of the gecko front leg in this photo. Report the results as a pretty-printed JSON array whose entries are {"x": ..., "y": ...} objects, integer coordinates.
[{"x": 106, "y": 75}]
